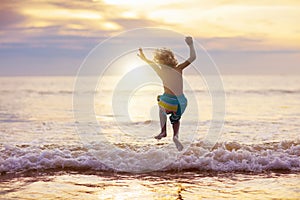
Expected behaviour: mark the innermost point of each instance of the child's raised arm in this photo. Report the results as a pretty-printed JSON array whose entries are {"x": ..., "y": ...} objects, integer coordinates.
[
  {"x": 189, "y": 42},
  {"x": 150, "y": 62}
]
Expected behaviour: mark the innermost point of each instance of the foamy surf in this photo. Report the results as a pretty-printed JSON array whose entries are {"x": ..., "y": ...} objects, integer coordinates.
[{"x": 225, "y": 157}]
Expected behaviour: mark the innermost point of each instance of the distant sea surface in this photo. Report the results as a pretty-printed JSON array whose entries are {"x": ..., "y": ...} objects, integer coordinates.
[{"x": 43, "y": 156}]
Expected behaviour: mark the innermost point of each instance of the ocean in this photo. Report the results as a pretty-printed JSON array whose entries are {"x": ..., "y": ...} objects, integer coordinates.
[{"x": 47, "y": 153}]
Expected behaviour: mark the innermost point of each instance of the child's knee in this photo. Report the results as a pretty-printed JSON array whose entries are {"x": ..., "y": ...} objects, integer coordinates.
[{"x": 174, "y": 118}]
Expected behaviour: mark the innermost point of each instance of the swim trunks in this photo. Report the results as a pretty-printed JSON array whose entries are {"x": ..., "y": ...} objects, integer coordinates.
[{"x": 174, "y": 105}]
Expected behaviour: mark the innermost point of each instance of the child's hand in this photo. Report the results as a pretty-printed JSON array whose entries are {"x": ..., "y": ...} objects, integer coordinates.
[
  {"x": 141, "y": 55},
  {"x": 189, "y": 40}
]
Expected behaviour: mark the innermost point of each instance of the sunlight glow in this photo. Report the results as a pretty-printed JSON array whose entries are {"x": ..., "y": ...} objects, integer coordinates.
[
  {"x": 138, "y": 2},
  {"x": 130, "y": 64},
  {"x": 129, "y": 15},
  {"x": 63, "y": 14},
  {"x": 110, "y": 26}
]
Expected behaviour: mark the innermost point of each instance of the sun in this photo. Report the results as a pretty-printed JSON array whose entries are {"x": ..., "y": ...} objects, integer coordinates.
[{"x": 130, "y": 62}]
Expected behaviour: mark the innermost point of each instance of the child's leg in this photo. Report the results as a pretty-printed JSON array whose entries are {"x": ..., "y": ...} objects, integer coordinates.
[
  {"x": 163, "y": 120},
  {"x": 176, "y": 126},
  {"x": 175, "y": 120},
  {"x": 163, "y": 124}
]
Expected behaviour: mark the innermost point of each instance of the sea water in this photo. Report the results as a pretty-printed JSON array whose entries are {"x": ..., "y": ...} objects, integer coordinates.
[{"x": 44, "y": 155}]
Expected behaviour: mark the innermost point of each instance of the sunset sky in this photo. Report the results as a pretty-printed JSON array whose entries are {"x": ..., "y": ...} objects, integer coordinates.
[{"x": 53, "y": 37}]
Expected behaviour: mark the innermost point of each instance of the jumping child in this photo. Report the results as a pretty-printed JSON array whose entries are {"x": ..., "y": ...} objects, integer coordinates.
[{"x": 173, "y": 100}]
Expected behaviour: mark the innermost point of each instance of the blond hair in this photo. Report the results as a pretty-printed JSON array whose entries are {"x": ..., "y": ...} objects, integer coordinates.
[{"x": 165, "y": 56}]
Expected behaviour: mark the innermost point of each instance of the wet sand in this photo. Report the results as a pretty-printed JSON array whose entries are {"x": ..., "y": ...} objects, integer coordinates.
[{"x": 160, "y": 185}]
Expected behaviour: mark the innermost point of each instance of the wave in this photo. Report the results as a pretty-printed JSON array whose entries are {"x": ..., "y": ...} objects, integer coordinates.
[
  {"x": 259, "y": 91},
  {"x": 232, "y": 91},
  {"x": 224, "y": 157},
  {"x": 38, "y": 92},
  {"x": 265, "y": 92}
]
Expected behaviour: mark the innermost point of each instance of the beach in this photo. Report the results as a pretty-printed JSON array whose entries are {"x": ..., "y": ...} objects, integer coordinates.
[{"x": 43, "y": 155}]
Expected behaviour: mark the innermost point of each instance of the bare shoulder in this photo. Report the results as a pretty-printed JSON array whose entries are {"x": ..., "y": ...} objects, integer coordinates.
[
  {"x": 183, "y": 65},
  {"x": 179, "y": 68}
]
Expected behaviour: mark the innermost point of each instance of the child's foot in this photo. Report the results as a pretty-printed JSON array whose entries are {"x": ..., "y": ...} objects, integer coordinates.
[
  {"x": 177, "y": 143},
  {"x": 161, "y": 135}
]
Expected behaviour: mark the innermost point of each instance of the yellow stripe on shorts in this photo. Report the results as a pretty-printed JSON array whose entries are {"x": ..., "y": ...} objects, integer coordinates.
[{"x": 168, "y": 106}]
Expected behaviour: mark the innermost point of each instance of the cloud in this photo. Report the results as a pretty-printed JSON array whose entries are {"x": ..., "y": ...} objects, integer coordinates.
[
  {"x": 9, "y": 15},
  {"x": 9, "y": 18},
  {"x": 136, "y": 23},
  {"x": 233, "y": 44},
  {"x": 37, "y": 30},
  {"x": 42, "y": 23},
  {"x": 216, "y": 20}
]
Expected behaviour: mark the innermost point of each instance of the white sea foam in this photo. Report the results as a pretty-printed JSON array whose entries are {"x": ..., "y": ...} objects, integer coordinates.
[{"x": 224, "y": 157}]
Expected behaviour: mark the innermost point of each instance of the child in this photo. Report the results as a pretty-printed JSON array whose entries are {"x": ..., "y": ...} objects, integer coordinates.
[{"x": 173, "y": 100}]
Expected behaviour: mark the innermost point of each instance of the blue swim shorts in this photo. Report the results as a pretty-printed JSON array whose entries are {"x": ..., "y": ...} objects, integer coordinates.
[{"x": 174, "y": 105}]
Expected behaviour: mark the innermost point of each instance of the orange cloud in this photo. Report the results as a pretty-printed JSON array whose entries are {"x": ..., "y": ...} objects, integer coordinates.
[{"x": 274, "y": 24}]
